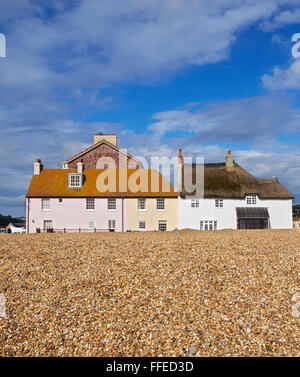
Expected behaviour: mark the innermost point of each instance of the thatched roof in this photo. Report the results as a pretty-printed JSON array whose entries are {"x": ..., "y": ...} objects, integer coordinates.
[{"x": 235, "y": 182}]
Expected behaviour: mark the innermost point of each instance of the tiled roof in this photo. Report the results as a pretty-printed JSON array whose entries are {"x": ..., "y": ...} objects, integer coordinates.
[{"x": 54, "y": 183}]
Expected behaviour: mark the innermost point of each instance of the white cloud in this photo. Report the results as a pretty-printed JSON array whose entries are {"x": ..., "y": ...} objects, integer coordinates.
[{"x": 284, "y": 78}]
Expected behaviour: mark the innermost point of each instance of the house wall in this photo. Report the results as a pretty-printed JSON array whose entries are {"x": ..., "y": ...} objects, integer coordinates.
[
  {"x": 280, "y": 212},
  {"x": 72, "y": 214},
  {"x": 151, "y": 215},
  {"x": 90, "y": 158}
]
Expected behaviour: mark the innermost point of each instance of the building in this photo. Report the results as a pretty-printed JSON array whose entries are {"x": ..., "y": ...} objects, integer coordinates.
[
  {"x": 83, "y": 197},
  {"x": 227, "y": 196},
  {"x": 296, "y": 223},
  {"x": 16, "y": 228}
]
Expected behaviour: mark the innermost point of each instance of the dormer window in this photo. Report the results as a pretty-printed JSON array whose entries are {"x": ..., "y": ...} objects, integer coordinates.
[
  {"x": 75, "y": 180},
  {"x": 251, "y": 199}
]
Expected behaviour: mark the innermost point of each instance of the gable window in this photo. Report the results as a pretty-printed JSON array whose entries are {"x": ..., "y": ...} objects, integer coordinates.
[
  {"x": 45, "y": 204},
  {"x": 90, "y": 204},
  {"x": 112, "y": 204},
  {"x": 142, "y": 204},
  {"x": 194, "y": 203},
  {"x": 142, "y": 225},
  {"x": 208, "y": 225},
  {"x": 111, "y": 224},
  {"x": 75, "y": 180},
  {"x": 160, "y": 204},
  {"x": 219, "y": 203},
  {"x": 251, "y": 199},
  {"x": 162, "y": 225}
]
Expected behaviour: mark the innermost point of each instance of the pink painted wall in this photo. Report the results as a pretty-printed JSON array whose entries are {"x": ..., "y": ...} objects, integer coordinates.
[{"x": 72, "y": 214}]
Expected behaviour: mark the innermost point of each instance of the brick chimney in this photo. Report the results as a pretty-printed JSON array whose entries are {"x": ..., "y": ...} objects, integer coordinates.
[
  {"x": 179, "y": 172},
  {"x": 229, "y": 160},
  {"x": 37, "y": 167},
  {"x": 111, "y": 138},
  {"x": 80, "y": 167}
]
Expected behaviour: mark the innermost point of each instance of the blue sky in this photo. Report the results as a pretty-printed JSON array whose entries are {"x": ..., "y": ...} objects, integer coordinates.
[{"x": 204, "y": 76}]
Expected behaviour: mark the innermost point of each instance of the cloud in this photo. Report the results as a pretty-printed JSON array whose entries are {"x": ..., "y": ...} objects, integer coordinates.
[
  {"x": 283, "y": 78},
  {"x": 242, "y": 120}
]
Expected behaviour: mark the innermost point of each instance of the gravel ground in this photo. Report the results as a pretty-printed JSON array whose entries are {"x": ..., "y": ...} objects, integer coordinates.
[{"x": 183, "y": 293}]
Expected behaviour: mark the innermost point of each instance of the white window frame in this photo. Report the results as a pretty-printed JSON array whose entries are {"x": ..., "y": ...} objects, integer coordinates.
[
  {"x": 45, "y": 208},
  {"x": 142, "y": 229},
  {"x": 90, "y": 204},
  {"x": 109, "y": 201},
  {"x": 112, "y": 224},
  {"x": 91, "y": 229},
  {"x": 164, "y": 223},
  {"x": 75, "y": 180},
  {"x": 219, "y": 203},
  {"x": 251, "y": 199},
  {"x": 208, "y": 225},
  {"x": 160, "y": 200},
  {"x": 142, "y": 200},
  {"x": 195, "y": 203},
  {"x": 48, "y": 227}
]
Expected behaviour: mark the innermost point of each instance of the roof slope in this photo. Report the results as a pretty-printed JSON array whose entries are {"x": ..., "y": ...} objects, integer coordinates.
[
  {"x": 92, "y": 147},
  {"x": 140, "y": 182},
  {"x": 221, "y": 182}
]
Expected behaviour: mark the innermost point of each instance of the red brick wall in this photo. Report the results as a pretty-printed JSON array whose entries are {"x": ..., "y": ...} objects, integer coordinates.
[{"x": 90, "y": 158}]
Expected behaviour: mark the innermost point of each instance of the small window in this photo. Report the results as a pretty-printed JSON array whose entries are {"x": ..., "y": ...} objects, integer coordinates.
[
  {"x": 111, "y": 224},
  {"x": 142, "y": 204},
  {"x": 219, "y": 203},
  {"x": 75, "y": 180},
  {"x": 92, "y": 225},
  {"x": 160, "y": 204},
  {"x": 47, "y": 224},
  {"x": 142, "y": 225},
  {"x": 162, "y": 225},
  {"x": 111, "y": 204},
  {"x": 60, "y": 201},
  {"x": 194, "y": 203},
  {"x": 45, "y": 204},
  {"x": 90, "y": 204},
  {"x": 251, "y": 199},
  {"x": 208, "y": 225}
]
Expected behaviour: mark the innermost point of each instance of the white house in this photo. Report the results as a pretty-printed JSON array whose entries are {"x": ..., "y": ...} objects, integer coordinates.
[
  {"x": 16, "y": 228},
  {"x": 231, "y": 198}
]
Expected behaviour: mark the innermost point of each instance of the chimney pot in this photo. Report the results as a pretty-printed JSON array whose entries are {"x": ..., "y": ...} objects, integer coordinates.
[
  {"x": 80, "y": 167},
  {"x": 229, "y": 160},
  {"x": 37, "y": 167}
]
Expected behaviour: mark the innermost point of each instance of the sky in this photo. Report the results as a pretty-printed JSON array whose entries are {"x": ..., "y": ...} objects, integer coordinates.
[{"x": 203, "y": 76}]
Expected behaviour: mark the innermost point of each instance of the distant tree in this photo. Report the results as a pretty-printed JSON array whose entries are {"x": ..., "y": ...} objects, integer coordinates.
[{"x": 5, "y": 220}]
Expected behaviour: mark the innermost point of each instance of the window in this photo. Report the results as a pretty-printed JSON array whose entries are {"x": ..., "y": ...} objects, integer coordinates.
[
  {"x": 162, "y": 225},
  {"x": 219, "y": 203},
  {"x": 111, "y": 204},
  {"x": 60, "y": 201},
  {"x": 47, "y": 224},
  {"x": 90, "y": 204},
  {"x": 208, "y": 225},
  {"x": 75, "y": 180},
  {"x": 194, "y": 203},
  {"x": 160, "y": 204},
  {"x": 142, "y": 204},
  {"x": 45, "y": 204},
  {"x": 111, "y": 224},
  {"x": 142, "y": 225},
  {"x": 251, "y": 199},
  {"x": 92, "y": 225}
]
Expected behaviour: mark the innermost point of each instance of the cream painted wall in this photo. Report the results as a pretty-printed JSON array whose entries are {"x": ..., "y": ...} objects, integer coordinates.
[{"x": 151, "y": 215}]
